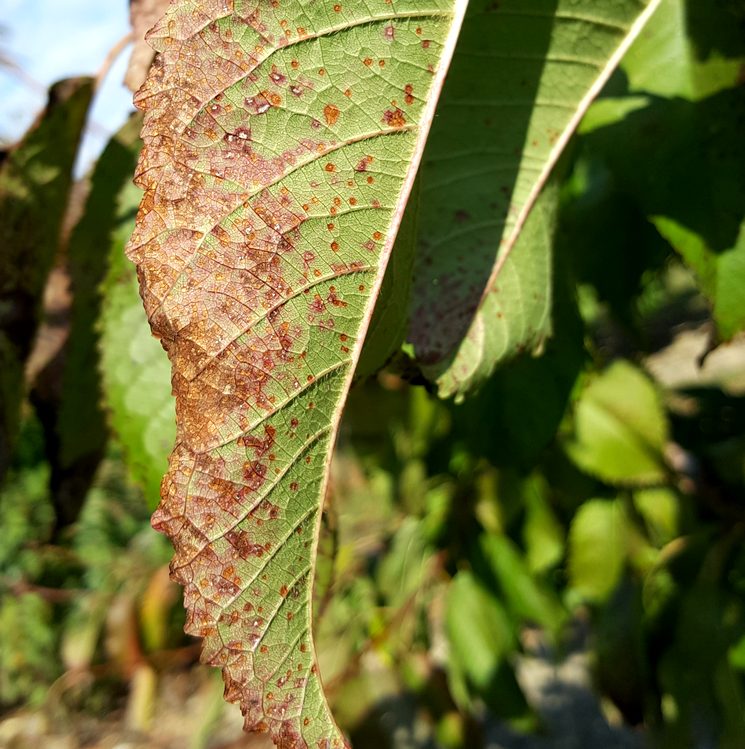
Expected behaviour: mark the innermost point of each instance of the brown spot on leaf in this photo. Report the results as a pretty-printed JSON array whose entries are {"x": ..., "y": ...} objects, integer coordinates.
[
  {"x": 394, "y": 117},
  {"x": 331, "y": 114}
]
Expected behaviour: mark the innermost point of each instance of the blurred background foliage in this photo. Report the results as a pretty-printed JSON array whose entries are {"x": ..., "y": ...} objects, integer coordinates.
[{"x": 556, "y": 562}]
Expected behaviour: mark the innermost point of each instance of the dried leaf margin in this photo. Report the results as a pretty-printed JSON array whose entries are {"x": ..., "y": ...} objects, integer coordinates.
[{"x": 259, "y": 266}]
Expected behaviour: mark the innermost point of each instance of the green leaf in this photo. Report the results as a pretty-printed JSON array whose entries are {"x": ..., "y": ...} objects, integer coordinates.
[
  {"x": 35, "y": 182},
  {"x": 597, "y": 549},
  {"x": 388, "y": 325},
  {"x": 688, "y": 49},
  {"x": 81, "y": 423},
  {"x": 403, "y": 570},
  {"x": 280, "y": 149},
  {"x": 722, "y": 274},
  {"x": 543, "y": 535},
  {"x": 620, "y": 428},
  {"x": 524, "y": 597},
  {"x": 494, "y": 144},
  {"x": 505, "y": 421},
  {"x": 134, "y": 368},
  {"x": 702, "y": 50},
  {"x": 660, "y": 508},
  {"x": 481, "y": 638}
]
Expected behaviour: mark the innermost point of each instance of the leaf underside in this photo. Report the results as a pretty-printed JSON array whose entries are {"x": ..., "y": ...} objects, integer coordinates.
[
  {"x": 280, "y": 144},
  {"x": 482, "y": 291}
]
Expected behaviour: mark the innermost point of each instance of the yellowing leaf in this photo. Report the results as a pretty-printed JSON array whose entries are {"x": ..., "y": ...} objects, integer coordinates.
[{"x": 281, "y": 143}]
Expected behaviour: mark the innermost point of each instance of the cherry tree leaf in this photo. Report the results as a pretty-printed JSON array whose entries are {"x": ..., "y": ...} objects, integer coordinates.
[
  {"x": 35, "y": 182},
  {"x": 481, "y": 292},
  {"x": 281, "y": 142},
  {"x": 135, "y": 372}
]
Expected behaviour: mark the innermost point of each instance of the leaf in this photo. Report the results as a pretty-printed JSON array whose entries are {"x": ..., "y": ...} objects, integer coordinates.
[
  {"x": 276, "y": 166},
  {"x": 703, "y": 50},
  {"x": 134, "y": 368},
  {"x": 523, "y": 596},
  {"x": 505, "y": 421},
  {"x": 620, "y": 428},
  {"x": 81, "y": 424},
  {"x": 543, "y": 535},
  {"x": 481, "y": 638},
  {"x": 676, "y": 54},
  {"x": 597, "y": 549},
  {"x": 722, "y": 274},
  {"x": 142, "y": 14},
  {"x": 35, "y": 182},
  {"x": 660, "y": 508},
  {"x": 387, "y": 330},
  {"x": 403, "y": 570},
  {"x": 494, "y": 144}
]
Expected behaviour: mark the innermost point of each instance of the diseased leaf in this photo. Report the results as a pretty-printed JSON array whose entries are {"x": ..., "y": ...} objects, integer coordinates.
[
  {"x": 481, "y": 293},
  {"x": 281, "y": 144},
  {"x": 505, "y": 421},
  {"x": 134, "y": 368},
  {"x": 35, "y": 181},
  {"x": 387, "y": 329}
]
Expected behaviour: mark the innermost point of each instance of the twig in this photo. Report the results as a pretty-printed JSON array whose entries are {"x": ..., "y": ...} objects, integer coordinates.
[{"x": 111, "y": 57}]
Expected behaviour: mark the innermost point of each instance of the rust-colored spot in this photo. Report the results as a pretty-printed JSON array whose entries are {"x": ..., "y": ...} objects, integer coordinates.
[
  {"x": 394, "y": 117},
  {"x": 331, "y": 114},
  {"x": 330, "y": 167},
  {"x": 367, "y": 61}
]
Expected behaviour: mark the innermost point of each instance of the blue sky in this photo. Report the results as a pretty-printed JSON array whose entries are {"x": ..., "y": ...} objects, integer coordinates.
[{"x": 53, "y": 39}]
